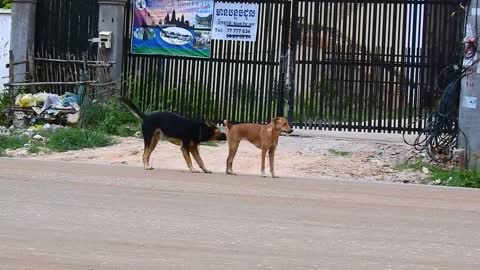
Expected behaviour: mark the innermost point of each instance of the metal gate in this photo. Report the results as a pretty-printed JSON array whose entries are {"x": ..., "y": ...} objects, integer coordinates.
[
  {"x": 326, "y": 64},
  {"x": 370, "y": 65}
]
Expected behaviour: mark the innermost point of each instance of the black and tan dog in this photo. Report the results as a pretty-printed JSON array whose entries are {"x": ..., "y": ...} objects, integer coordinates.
[{"x": 177, "y": 129}]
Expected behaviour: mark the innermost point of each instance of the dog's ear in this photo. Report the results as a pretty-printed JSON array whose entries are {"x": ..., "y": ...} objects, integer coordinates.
[{"x": 275, "y": 120}]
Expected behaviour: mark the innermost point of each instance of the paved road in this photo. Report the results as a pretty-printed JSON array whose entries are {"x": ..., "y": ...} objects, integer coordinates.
[{"x": 74, "y": 216}]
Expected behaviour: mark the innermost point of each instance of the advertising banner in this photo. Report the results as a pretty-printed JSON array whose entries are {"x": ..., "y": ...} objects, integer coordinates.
[
  {"x": 172, "y": 27},
  {"x": 235, "y": 21}
]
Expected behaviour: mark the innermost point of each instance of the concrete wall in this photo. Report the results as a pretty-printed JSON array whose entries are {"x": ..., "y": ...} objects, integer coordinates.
[{"x": 5, "y": 27}]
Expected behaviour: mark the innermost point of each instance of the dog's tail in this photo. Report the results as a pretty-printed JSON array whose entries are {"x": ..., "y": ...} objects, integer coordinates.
[
  {"x": 132, "y": 108},
  {"x": 227, "y": 124}
]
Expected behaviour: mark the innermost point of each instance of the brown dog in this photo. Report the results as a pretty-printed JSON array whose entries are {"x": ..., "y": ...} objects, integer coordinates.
[{"x": 265, "y": 137}]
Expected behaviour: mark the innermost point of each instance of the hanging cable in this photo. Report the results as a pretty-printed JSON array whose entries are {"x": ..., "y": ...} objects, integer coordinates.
[{"x": 441, "y": 133}]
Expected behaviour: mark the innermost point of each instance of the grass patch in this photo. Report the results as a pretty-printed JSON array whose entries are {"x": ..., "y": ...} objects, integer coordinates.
[
  {"x": 440, "y": 176},
  {"x": 76, "y": 139},
  {"x": 457, "y": 178},
  {"x": 416, "y": 166},
  {"x": 11, "y": 142},
  {"x": 339, "y": 153}
]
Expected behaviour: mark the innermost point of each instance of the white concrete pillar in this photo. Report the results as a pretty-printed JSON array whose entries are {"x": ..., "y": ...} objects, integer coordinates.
[
  {"x": 112, "y": 18},
  {"x": 22, "y": 36}
]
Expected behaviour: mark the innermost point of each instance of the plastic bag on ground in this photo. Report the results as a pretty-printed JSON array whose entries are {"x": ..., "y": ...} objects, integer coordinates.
[{"x": 27, "y": 101}]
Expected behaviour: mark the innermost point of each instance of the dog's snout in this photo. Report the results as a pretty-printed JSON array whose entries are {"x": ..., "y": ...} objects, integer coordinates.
[
  {"x": 290, "y": 131},
  {"x": 222, "y": 137}
]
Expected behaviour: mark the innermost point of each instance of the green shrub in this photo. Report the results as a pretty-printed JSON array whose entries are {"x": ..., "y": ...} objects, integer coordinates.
[
  {"x": 111, "y": 118},
  {"x": 119, "y": 121},
  {"x": 34, "y": 149},
  {"x": 92, "y": 115},
  {"x": 4, "y": 102},
  {"x": 76, "y": 139},
  {"x": 11, "y": 142}
]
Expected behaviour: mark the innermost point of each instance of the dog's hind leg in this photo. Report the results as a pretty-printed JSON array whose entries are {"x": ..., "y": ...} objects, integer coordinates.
[
  {"x": 150, "y": 144},
  {"x": 186, "y": 156},
  {"x": 264, "y": 154},
  {"x": 232, "y": 151},
  {"x": 198, "y": 159},
  {"x": 271, "y": 155}
]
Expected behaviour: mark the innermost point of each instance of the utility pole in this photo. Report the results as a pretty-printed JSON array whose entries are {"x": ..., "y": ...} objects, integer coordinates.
[{"x": 469, "y": 109}]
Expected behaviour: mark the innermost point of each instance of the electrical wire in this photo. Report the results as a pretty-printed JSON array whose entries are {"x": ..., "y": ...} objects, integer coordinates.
[{"x": 441, "y": 133}]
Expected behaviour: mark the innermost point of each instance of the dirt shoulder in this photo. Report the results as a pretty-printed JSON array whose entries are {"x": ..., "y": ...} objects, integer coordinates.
[{"x": 296, "y": 156}]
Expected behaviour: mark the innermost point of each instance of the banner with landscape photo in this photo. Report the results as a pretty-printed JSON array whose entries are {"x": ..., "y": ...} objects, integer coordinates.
[{"x": 172, "y": 27}]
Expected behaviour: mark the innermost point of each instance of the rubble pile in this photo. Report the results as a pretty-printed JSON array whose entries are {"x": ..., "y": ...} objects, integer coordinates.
[{"x": 34, "y": 137}]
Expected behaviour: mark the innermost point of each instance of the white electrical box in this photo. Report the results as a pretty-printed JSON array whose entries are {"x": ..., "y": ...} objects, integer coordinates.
[{"x": 105, "y": 39}]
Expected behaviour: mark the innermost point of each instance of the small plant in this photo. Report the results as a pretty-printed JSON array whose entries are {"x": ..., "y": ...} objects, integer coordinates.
[
  {"x": 4, "y": 102},
  {"x": 111, "y": 118},
  {"x": 441, "y": 176},
  {"x": 34, "y": 149},
  {"x": 92, "y": 115},
  {"x": 76, "y": 139},
  {"x": 339, "y": 153}
]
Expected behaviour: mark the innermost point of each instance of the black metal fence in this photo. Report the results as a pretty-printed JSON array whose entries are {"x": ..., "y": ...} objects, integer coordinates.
[
  {"x": 370, "y": 65},
  {"x": 326, "y": 64},
  {"x": 352, "y": 65}
]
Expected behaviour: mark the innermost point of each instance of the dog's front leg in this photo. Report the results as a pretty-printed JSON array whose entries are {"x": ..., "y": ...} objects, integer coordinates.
[
  {"x": 264, "y": 154},
  {"x": 232, "y": 151},
  {"x": 198, "y": 159},
  {"x": 188, "y": 160},
  {"x": 271, "y": 155}
]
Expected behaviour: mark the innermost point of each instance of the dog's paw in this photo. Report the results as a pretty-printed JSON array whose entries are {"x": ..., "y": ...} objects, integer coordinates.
[
  {"x": 207, "y": 171},
  {"x": 194, "y": 171},
  {"x": 149, "y": 168}
]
